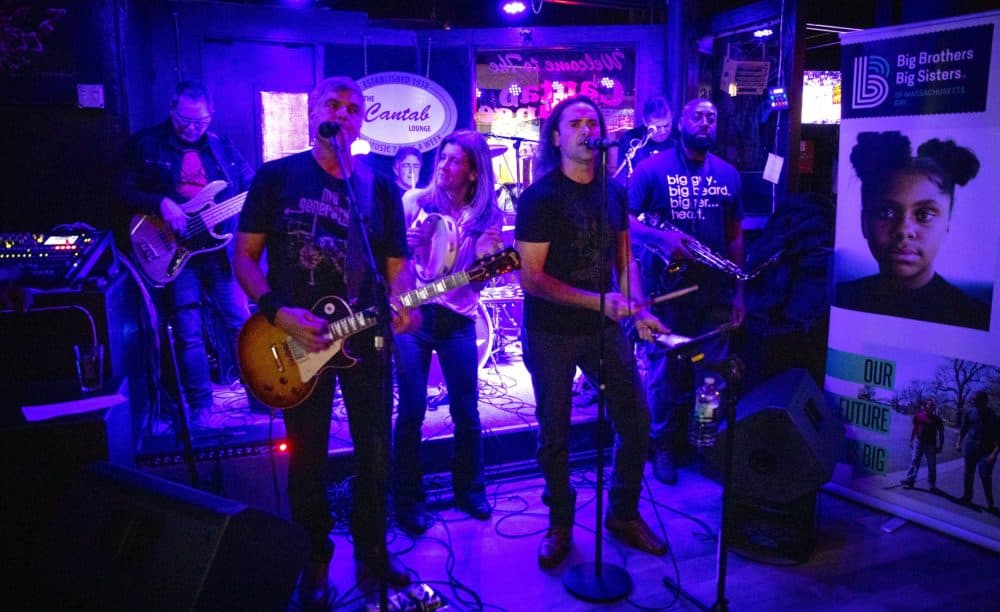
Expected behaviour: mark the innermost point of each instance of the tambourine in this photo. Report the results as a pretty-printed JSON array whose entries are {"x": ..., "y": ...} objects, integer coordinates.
[{"x": 435, "y": 257}]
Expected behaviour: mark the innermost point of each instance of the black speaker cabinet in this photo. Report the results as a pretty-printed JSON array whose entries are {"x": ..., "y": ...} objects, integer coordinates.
[
  {"x": 787, "y": 440},
  {"x": 125, "y": 540},
  {"x": 247, "y": 474},
  {"x": 40, "y": 460}
]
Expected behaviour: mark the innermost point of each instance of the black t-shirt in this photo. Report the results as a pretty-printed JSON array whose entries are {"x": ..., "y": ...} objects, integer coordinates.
[
  {"x": 304, "y": 212},
  {"x": 566, "y": 214},
  {"x": 938, "y": 301}
]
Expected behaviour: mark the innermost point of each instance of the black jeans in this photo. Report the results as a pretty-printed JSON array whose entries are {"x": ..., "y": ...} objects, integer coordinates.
[
  {"x": 552, "y": 361},
  {"x": 367, "y": 392}
]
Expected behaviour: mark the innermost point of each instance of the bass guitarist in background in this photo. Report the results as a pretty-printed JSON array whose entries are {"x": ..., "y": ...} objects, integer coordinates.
[
  {"x": 164, "y": 166},
  {"x": 299, "y": 209}
]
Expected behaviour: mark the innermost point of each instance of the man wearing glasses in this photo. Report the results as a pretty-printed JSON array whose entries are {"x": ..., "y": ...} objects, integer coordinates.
[{"x": 164, "y": 166}]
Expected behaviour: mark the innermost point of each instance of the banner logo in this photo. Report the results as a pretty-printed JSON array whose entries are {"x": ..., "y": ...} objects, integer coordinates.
[
  {"x": 404, "y": 109},
  {"x": 871, "y": 87}
]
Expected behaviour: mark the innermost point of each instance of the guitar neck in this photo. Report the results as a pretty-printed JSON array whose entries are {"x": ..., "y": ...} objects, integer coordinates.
[
  {"x": 214, "y": 215},
  {"x": 432, "y": 290},
  {"x": 363, "y": 319}
]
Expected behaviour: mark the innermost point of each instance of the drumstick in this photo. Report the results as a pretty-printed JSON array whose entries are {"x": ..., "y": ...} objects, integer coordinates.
[{"x": 668, "y": 296}]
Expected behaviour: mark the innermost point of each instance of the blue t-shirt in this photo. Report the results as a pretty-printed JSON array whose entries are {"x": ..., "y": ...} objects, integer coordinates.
[
  {"x": 566, "y": 214},
  {"x": 304, "y": 212},
  {"x": 700, "y": 199}
]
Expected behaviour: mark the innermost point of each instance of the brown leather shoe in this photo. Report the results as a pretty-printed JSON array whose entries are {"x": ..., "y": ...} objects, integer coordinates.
[
  {"x": 370, "y": 573},
  {"x": 554, "y": 546},
  {"x": 637, "y": 534}
]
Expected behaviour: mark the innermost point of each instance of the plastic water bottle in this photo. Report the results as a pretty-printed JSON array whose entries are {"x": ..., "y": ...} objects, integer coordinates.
[{"x": 705, "y": 420}]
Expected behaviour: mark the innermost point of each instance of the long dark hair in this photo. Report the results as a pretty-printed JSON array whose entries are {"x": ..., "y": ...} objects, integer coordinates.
[{"x": 549, "y": 157}]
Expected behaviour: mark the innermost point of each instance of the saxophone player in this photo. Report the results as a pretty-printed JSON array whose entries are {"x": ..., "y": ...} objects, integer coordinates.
[{"x": 700, "y": 194}]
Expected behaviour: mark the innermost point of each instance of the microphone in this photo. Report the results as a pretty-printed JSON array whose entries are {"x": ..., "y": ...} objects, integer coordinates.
[
  {"x": 328, "y": 129},
  {"x": 600, "y": 144}
]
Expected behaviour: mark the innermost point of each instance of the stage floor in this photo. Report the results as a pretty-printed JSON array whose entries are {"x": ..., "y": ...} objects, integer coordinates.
[
  {"x": 854, "y": 564},
  {"x": 506, "y": 405}
]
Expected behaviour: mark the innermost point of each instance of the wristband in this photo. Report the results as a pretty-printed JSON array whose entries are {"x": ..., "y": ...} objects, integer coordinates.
[{"x": 269, "y": 304}]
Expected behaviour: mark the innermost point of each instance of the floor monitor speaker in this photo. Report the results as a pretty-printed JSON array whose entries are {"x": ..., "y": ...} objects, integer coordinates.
[
  {"x": 787, "y": 440},
  {"x": 126, "y": 540}
]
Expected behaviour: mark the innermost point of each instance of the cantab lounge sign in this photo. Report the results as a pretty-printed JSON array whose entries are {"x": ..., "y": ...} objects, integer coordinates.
[{"x": 404, "y": 109}]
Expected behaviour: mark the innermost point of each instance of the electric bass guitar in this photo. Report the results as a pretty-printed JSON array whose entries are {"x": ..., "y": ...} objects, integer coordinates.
[
  {"x": 161, "y": 254},
  {"x": 282, "y": 374}
]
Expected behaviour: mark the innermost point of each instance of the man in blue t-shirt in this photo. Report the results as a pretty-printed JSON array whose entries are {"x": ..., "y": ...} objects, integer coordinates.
[{"x": 689, "y": 193}]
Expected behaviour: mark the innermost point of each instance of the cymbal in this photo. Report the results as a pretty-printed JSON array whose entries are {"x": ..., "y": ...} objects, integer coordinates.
[{"x": 497, "y": 150}]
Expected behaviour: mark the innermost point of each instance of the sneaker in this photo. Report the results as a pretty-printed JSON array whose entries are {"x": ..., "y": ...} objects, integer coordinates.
[
  {"x": 907, "y": 483},
  {"x": 637, "y": 534},
  {"x": 554, "y": 547},
  {"x": 663, "y": 468}
]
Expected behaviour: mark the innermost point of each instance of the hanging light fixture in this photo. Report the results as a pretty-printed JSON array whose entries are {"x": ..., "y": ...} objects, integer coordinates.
[
  {"x": 513, "y": 8},
  {"x": 516, "y": 9}
]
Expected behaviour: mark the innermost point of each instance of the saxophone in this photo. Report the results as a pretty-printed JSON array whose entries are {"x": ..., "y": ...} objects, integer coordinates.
[{"x": 700, "y": 252}]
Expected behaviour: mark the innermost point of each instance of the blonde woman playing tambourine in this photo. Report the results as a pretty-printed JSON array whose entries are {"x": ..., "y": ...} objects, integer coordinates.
[{"x": 452, "y": 222}]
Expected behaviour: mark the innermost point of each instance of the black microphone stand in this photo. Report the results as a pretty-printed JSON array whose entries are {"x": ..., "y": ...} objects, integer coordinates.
[
  {"x": 731, "y": 369},
  {"x": 383, "y": 332},
  {"x": 598, "y": 581}
]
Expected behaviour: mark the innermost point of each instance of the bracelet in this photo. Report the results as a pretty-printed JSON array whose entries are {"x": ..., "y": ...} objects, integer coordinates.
[{"x": 269, "y": 304}]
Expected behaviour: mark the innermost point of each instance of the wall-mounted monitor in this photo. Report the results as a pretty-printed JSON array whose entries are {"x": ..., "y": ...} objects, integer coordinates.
[{"x": 821, "y": 97}]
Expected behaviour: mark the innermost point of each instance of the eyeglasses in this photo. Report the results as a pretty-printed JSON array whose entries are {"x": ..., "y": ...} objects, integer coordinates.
[{"x": 198, "y": 122}]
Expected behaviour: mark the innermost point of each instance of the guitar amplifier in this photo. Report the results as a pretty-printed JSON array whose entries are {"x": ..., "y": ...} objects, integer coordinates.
[{"x": 54, "y": 260}]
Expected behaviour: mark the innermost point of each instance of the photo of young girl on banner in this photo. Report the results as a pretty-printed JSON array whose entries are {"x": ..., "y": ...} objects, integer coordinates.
[{"x": 908, "y": 200}]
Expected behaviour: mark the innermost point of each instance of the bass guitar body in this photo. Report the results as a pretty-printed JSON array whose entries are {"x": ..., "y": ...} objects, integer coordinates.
[{"x": 159, "y": 253}]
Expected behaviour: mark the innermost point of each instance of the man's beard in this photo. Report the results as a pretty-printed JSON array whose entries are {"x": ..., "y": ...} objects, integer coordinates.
[{"x": 696, "y": 142}]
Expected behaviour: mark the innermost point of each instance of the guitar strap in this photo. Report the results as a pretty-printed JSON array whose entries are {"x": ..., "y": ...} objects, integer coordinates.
[{"x": 356, "y": 272}]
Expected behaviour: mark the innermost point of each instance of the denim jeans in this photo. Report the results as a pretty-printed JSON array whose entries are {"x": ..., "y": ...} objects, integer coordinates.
[
  {"x": 453, "y": 337},
  {"x": 976, "y": 460},
  {"x": 367, "y": 391},
  {"x": 670, "y": 382},
  {"x": 919, "y": 450},
  {"x": 208, "y": 275},
  {"x": 552, "y": 361}
]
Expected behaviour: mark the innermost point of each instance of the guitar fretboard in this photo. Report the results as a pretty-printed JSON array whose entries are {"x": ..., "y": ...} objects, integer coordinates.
[
  {"x": 433, "y": 289},
  {"x": 214, "y": 215},
  {"x": 339, "y": 329}
]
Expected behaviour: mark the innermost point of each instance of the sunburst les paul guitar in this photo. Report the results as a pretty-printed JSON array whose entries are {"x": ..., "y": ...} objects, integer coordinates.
[
  {"x": 161, "y": 254},
  {"x": 282, "y": 374}
]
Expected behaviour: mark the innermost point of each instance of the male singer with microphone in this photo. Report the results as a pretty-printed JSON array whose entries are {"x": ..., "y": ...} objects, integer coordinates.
[
  {"x": 299, "y": 208},
  {"x": 559, "y": 219},
  {"x": 700, "y": 194}
]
